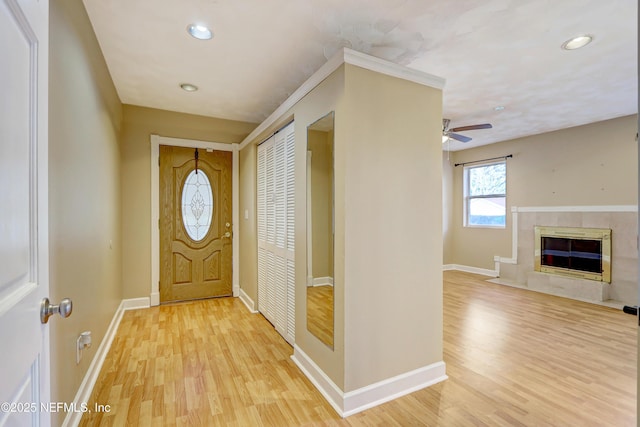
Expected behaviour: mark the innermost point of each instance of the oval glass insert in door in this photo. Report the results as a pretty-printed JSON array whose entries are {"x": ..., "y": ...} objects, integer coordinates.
[{"x": 197, "y": 205}]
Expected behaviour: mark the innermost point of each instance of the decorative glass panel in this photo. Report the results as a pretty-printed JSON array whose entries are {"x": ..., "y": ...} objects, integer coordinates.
[{"x": 197, "y": 205}]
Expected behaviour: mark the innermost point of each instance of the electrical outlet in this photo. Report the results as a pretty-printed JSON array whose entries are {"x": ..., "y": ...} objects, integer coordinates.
[{"x": 83, "y": 342}]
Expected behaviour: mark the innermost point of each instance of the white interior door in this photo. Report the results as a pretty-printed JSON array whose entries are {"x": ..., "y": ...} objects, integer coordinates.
[{"x": 24, "y": 358}]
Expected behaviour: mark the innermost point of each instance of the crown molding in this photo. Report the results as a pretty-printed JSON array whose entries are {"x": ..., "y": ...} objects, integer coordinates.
[
  {"x": 382, "y": 66},
  {"x": 344, "y": 56}
]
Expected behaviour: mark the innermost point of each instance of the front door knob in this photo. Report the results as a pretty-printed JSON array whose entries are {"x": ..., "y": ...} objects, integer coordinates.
[{"x": 47, "y": 309}]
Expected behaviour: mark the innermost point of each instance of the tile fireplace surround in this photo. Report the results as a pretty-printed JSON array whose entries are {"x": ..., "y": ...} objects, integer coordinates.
[{"x": 622, "y": 220}]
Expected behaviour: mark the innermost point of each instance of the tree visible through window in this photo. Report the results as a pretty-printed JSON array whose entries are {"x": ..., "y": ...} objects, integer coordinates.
[{"x": 485, "y": 195}]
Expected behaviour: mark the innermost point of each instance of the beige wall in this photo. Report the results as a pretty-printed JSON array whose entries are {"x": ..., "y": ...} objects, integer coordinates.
[
  {"x": 594, "y": 164},
  {"x": 389, "y": 225},
  {"x": 84, "y": 193},
  {"x": 139, "y": 124},
  {"x": 248, "y": 228}
]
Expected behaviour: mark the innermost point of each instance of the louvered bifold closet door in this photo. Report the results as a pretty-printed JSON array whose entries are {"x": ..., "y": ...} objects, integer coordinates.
[{"x": 276, "y": 268}]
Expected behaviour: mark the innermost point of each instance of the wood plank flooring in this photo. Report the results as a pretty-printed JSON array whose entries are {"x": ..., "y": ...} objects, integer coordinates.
[{"x": 514, "y": 358}]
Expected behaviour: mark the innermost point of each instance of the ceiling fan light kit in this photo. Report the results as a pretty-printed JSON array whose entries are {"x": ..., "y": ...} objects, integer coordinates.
[{"x": 451, "y": 133}]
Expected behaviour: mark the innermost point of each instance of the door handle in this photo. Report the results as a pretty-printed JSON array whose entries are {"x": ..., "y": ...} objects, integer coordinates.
[
  {"x": 228, "y": 233},
  {"x": 47, "y": 309}
]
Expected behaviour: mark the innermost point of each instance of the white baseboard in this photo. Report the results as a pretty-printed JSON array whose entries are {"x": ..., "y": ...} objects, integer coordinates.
[
  {"x": 88, "y": 382},
  {"x": 135, "y": 303},
  {"x": 246, "y": 299},
  {"x": 331, "y": 392},
  {"x": 504, "y": 260},
  {"x": 469, "y": 269},
  {"x": 392, "y": 388},
  {"x": 323, "y": 281},
  {"x": 350, "y": 403}
]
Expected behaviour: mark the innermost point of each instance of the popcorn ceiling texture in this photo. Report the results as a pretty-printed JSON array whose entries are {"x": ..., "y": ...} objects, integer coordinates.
[{"x": 491, "y": 52}]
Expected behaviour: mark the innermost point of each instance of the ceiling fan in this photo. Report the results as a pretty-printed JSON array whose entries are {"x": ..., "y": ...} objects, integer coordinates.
[{"x": 450, "y": 133}]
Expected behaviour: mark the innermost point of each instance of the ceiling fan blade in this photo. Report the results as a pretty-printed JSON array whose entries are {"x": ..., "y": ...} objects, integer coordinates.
[
  {"x": 472, "y": 127},
  {"x": 459, "y": 137}
]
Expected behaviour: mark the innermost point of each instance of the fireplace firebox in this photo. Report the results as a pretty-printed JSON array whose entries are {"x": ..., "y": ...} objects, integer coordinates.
[{"x": 576, "y": 252}]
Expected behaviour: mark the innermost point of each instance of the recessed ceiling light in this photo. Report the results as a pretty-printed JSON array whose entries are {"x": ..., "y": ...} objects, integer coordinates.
[
  {"x": 577, "y": 42},
  {"x": 189, "y": 87},
  {"x": 499, "y": 108},
  {"x": 199, "y": 31}
]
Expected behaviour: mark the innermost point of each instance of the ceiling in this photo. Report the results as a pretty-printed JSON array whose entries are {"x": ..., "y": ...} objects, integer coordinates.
[{"x": 491, "y": 52}]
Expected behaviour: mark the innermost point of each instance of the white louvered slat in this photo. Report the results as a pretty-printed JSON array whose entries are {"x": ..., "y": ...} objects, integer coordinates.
[
  {"x": 271, "y": 288},
  {"x": 262, "y": 280},
  {"x": 281, "y": 295},
  {"x": 291, "y": 302},
  {"x": 262, "y": 193},
  {"x": 270, "y": 203},
  {"x": 290, "y": 191},
  {"x": 280, "y": 168}
]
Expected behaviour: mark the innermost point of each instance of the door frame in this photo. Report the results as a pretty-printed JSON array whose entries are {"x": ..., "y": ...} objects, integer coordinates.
[{"x": 156, "y": 142}]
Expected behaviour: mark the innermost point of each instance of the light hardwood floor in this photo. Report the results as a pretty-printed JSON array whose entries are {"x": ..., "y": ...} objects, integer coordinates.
[{"x": 514, "y": 358}]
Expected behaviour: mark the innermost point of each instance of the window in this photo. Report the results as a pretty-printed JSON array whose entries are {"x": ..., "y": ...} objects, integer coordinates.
[{"x": 485, "y": 195}]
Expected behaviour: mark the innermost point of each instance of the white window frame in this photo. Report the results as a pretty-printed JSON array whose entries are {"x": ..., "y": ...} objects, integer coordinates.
[{"x": 467, "y": 198}]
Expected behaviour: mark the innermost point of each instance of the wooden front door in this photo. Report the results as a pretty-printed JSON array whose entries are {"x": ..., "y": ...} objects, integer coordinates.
[{"x": 195, "y": 224}]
